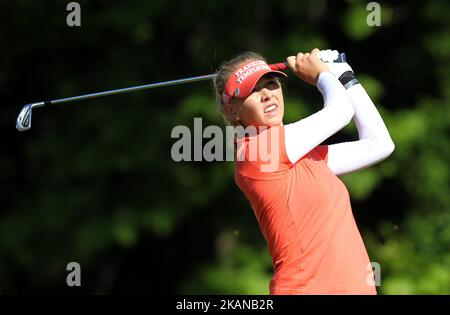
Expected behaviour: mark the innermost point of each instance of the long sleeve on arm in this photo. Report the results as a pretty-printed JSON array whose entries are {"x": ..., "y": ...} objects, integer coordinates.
[
  {"x": 304, "y": 135},
  {"x": 374, "y": 144}
]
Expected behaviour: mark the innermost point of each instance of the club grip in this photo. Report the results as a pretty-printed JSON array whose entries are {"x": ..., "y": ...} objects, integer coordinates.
[
  {"x": 284, "y": 65},
  {"x": 341, "y": 58},
  {"x": 279, "y": 66}
]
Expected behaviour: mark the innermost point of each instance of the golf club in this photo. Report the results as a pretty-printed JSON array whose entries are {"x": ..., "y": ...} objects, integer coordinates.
[{"x": 23, "y": 122}]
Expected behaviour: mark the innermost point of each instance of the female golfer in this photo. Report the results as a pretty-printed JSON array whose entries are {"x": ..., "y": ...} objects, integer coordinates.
[{"x": 302, "y": 207}]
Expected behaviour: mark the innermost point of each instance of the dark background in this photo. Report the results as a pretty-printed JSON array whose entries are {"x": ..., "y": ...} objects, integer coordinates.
[{"x": 93, "y": 182}]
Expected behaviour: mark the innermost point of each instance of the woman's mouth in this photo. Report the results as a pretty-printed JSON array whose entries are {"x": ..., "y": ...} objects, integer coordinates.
[{"x": 271, "y": 110}]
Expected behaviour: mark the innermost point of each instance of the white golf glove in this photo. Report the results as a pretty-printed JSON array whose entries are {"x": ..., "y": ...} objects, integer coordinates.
[{"x": 336, "y": 68}]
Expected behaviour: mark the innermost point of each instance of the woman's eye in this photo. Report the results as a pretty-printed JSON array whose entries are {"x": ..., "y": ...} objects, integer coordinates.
[{"x": 271, "y": 84}]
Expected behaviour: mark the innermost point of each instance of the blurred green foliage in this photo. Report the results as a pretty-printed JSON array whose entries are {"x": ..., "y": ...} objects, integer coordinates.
[{"x": 94, "y": 182}]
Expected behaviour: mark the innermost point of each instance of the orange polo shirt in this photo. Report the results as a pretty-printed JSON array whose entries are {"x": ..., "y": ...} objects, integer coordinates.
[{"x": 304, "y": 213}]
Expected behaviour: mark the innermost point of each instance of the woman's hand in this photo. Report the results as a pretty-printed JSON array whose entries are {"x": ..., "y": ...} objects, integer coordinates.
[
  {"x": 336, "y": 68},
  {"x": 307, "y": 66}
]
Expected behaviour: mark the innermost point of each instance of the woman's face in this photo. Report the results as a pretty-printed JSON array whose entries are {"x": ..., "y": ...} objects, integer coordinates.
[{"x": 264, "y": 107}]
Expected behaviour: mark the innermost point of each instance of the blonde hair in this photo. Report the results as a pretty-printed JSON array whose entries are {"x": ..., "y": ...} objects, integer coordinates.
[{"x": 224, "y": 72}]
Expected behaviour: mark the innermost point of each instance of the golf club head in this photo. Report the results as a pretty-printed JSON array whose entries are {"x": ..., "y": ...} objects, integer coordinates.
[{"x": 23, "y": 122}]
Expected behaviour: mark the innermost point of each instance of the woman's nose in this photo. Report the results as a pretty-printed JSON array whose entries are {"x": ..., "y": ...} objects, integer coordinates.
[{"x": 266, "y": 95}]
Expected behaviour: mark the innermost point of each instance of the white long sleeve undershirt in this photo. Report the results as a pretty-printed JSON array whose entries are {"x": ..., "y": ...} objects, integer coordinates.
[{"x": 374, "y": 143}]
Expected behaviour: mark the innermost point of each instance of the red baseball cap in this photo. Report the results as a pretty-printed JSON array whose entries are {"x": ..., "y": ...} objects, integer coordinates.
[{"x": 240, "y": 84}]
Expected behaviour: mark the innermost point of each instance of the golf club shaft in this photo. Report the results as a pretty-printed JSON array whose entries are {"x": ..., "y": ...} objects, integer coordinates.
[{"x": 126, "y": 90}]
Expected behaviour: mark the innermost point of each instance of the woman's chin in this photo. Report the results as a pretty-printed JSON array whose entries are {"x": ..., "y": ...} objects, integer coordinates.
[
  {"x": 268, "y": 122},
  {"x": 274, "y": 121}
]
